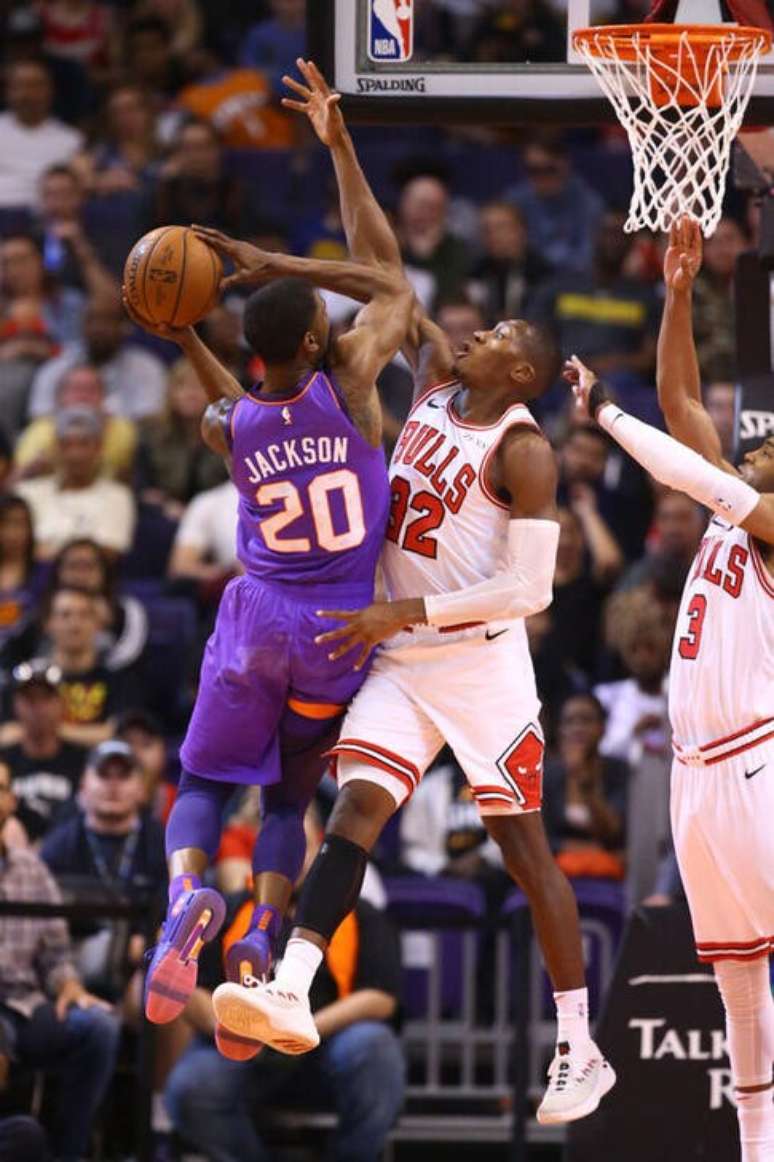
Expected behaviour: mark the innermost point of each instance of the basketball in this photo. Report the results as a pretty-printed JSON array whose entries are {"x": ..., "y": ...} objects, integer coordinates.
[{"x": 172, "y": 277}]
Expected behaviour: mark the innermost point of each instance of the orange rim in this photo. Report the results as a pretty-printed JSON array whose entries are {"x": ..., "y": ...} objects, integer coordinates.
[{"x": 617, "y": 41}]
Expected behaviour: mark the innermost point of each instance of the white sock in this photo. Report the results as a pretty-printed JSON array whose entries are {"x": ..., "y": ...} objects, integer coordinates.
[
  {"x": 756, "y": 1125},
  {"x": 572, "y": 1015},
  {"x": 298, "y": 966}
]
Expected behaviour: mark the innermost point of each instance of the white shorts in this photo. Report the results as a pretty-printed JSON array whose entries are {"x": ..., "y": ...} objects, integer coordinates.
[
  {"x": 721, "y": 822},
  {"x": 476, "y": 693}
]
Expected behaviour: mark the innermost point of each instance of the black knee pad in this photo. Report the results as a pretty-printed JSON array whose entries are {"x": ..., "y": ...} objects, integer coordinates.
[{"x": 332, "y": 887}]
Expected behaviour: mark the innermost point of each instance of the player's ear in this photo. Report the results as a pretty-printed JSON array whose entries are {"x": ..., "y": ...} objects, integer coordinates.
[
  {"x": 522, "y": 373},
  {"x": 311, "y": 344}
]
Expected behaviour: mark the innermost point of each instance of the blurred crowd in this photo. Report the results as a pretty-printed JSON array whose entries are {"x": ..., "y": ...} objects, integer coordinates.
[{"x": 117, "y": 525}]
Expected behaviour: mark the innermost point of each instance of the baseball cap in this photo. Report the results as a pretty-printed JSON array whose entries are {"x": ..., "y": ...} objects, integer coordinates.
[
  {"x": 36, "y": 672},
  {"x": 82, "y": 420},
  {"x": 113, "y": 748}
]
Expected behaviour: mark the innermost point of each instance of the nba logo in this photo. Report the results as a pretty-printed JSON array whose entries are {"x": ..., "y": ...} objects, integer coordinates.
[{"x": 390, "y": 30}]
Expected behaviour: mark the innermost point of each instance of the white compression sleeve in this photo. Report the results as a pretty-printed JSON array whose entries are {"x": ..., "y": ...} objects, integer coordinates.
[
  {"x": 679, "y": 467},
  {"x": 522, "y": 585}
]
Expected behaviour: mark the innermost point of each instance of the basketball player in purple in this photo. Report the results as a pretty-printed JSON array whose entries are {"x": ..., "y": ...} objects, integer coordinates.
[{"x": 306, "y": 456}]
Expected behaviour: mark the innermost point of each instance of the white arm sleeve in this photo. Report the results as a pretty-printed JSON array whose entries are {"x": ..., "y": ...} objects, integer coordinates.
[
  {"x": 522, "y": 585},
  {"x": 679, "y": 467}
]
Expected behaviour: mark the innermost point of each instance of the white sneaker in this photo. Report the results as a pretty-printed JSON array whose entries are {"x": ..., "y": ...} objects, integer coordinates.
[
  {"x": 266, "y": 1013},
  {"x": 577, "y": 1082}
]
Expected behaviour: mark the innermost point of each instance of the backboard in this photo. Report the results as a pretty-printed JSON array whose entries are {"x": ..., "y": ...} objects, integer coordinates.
[{"x": 455, "y": 61}]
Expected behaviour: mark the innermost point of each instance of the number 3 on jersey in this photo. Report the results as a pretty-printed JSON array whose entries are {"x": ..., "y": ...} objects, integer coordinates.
[
  {"x": 688, "y": 645},
  {"x": 430, "y": 509}
]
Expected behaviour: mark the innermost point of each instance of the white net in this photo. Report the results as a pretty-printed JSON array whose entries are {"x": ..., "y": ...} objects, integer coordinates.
[{"x": 681, "y": 103}]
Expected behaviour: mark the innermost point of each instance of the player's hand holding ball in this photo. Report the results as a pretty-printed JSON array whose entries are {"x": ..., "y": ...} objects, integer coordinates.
[
  {"x": 171, "y": 278},
  {"x": 251, "y": 264}
]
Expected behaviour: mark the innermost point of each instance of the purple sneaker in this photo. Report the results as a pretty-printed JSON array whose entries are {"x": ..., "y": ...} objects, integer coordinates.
[
  {"x": 248, "y": 962},
  {"x": 193, "y": 920}
]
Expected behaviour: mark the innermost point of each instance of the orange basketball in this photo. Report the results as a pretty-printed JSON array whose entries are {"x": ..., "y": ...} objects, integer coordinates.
[{"x": 172, "y": 277}]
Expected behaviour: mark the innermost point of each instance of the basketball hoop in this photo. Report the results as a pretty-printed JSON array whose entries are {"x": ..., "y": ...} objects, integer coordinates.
[{"x": 680, "y": 91}]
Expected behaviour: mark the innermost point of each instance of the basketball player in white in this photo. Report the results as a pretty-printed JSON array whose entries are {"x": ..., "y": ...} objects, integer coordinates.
[
  {"x": 470, "y": 553},
  {"x": 721, "y": 690}
]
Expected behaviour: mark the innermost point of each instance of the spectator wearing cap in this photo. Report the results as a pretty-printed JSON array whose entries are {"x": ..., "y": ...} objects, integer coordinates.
[
  {"x": 142, "y": 731},
  {"x": 134, "y": 380},
  {"x": 31, "y": 139},
  {"x": 93, "y": 694},
  {"x": 48, "y": 1019},
  {"x": 45, "y": 767},
  {"x": 76, "y": 500},
  {"x": 112, "y": 842},
  {"x": 80, "y": 387}
]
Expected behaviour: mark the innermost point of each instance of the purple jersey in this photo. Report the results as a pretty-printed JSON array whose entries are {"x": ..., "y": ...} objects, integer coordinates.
[{"x": 313, "y": 494}]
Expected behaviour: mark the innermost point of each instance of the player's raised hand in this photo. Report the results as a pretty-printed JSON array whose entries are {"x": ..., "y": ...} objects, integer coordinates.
[
  {"x": 251, "y": 264},
  {"x": 582, "y": 379},
  {"x": 318, "y": 101},
  {"x": 682, "y": 260}
]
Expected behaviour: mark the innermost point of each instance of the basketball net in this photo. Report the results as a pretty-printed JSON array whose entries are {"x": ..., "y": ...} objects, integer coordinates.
[{"x": 680, "y": 92}]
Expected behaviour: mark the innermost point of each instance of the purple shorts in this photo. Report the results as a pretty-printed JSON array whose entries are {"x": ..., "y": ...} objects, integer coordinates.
[{"x": 260, "y": 663}]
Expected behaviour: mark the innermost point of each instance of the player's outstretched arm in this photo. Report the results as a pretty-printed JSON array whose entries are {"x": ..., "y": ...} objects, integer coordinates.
[
  {"x": 677, "y": 374},
  {"x": 718, "y": 487},
  {"x": 254, "y": 267},
  {"x": 370, "y": 237}
]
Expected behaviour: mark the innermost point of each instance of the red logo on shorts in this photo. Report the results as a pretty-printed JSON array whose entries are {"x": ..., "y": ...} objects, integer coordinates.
[{"x": 521, "y": 765}]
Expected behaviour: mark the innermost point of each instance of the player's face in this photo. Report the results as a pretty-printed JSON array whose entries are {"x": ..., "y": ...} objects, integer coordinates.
[
  {"x": 758, "y": 467},
  {"x": 497, "y": 356}
]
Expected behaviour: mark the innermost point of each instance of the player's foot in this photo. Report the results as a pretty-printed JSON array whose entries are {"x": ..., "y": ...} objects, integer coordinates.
[
  {"x": 193, "y": 920},
  {"x": 577, "y": 1082},
  {"x": 248, "y": 962},
  {"x": 268, "y": 1014}
]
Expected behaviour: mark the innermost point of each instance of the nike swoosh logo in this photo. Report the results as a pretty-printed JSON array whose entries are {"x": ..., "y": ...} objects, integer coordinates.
[
  {"x": 490, "y": 637},
  {"x": 749, "y": 774},
  {"x": 433, "y": 403}
]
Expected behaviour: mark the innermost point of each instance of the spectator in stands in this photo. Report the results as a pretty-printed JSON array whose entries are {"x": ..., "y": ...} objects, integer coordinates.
[
  {"x": 509, "y": 269},
  {"x": 359, "y": 1066},
  {"x": 77, "y": 500},
  {"x": 80, "y": 32},
  {"x": 720, "y": 402},
  {"x": 205, "y": 544},
  {"x": 678, "y": 527},
  {"x": 588, "y": 560},
  {"x": 195, "y": 187},
  {"x": 240, "y": 103},
  {"x": 714, "y": 301},
  {"x": 93, "y": 694},
  {"x": 221, "y": 330},
  {"x": 45, "y": 767},
  {"x": 21, "y": 579},
  {"x": 36, "y": 314},
  {"x": 425, "y": 237},
  {"x": 31, "y": 139},
  {"x": 150, "y": 63},
  {"x": 441, "y": 832},
  {"x": 603, "y": 315},
  {"x": 274, "y": 44},
  {"x": 636, "y": 706},
  {"x": 584, "y": 795},
  {"x": 21, "y": 1138},
  {"x": 174, "y": 465},
  {"x": 125, "y": 158},
  {"x": 6, "y": 456},
  {"x": 79, "y": 387},
  {"x": 113, "y": 842},
  {"x": 459, "y": 318},
  {"x": 49, "y": 1020},
  {"x": 518, "y": 31},
  {"x": 68, "y": 253},
  {"x": 144, "y": 735},
  {"x": 123, "y": 622},
  {"x": 561, "y": 212},
  {"x": 134, "y": 380}
]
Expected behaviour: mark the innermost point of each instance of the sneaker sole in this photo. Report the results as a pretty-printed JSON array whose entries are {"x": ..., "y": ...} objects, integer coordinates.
[
  {"x": 235, "y": 1047},
  {"x": 243, "y": 1015},
  {"x": 172, "y": 979},
  {"x": 243, "y": 957},
  {"x": 605, "y": 1083}
]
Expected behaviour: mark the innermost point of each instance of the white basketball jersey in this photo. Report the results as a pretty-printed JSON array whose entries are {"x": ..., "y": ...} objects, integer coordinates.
[
  {"x": 722, "y": 674},
  {"x": 447, "y": 528}
]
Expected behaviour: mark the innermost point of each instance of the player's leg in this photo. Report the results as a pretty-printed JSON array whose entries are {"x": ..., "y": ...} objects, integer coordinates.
[
  {"x": 728, "y": 875},
  {"x": 374, "y": 780},
  {"x": 194, "y": 913}
]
